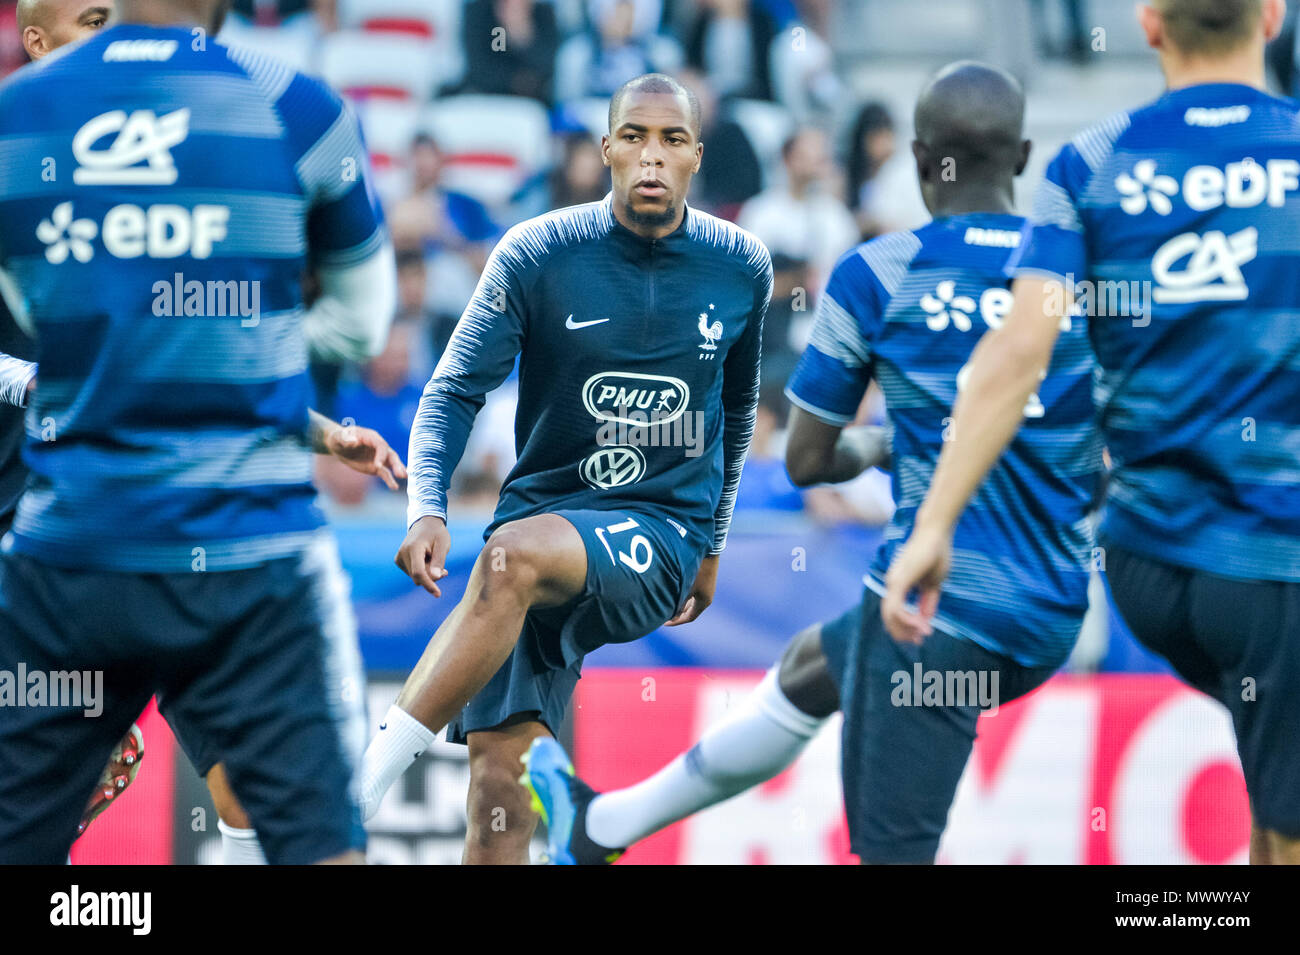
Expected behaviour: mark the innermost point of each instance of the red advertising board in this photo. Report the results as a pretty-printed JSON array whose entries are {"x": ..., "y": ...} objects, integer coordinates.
[{"x": 1098, "y": 770}]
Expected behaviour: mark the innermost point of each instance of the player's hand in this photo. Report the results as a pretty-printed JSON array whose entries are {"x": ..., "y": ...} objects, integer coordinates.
[
  {"x": 921, "y": 566},
  {"x": 366, "y": 451},
  {"x": 706, "y": 581},
  {"x": 423, "y": 555}
]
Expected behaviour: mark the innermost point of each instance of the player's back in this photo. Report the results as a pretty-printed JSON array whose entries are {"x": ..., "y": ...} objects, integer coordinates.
[
  {"x": 919, "y": 302},
  {"x": 1186, "y": 213},
  {"x": 159, "y": 196}
]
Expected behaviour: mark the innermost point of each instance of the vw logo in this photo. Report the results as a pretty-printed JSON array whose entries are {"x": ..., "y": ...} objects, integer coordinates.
[{"x": 613, "y": 467}]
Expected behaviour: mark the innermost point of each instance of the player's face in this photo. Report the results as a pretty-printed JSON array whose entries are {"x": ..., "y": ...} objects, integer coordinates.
[
  {"x": 652, "y": 152},
  {"x": 66, "y": 22}
]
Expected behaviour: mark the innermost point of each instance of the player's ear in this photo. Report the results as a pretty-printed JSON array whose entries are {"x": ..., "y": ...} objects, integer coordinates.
[
  {"x": 922, "y": 156},
  {"x": 1026, "y": 148},
  {"x": 604, "y": 149},
  {"x": 1274, "y": 16},
  {"x": 1152, "y": 24},
  {"x": 35, "y": 43},
  {"x": 699, "y": 157}
]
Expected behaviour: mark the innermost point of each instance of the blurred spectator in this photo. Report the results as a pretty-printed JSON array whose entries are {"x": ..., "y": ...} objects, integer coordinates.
[
  {"x": 433, "y": 330},
  {"x": 730, "y": 42},
  {"x": 789, "y": 317},
  {"x": 730, "y": 172},
  {"x": 289, "y": 30},
  {"x": 1075, "y": 42},
  {"x": 802, "y": 219},
  {"x": 621, "y": 44},
  {"x": 804, "y": 79},
  {"x": 580, "y": 176},
  {"x": 452, "y": 230},
  {"x": 510, "y": 48},
  {"x": 872, "y": 143},
  {"x": 385, "y": 399}
]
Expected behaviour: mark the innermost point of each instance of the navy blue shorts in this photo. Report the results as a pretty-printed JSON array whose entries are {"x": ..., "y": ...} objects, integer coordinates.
[
  {"x": 640, "y": 569},
  {"x": 258, "y": 668},
  {"x": 902, "y": 751},
  {"x": 1239, "y": 642}
]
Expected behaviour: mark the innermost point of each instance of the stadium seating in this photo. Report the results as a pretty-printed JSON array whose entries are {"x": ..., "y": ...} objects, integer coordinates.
[
  {"x": 495, "y": 148},
  {"x": 389, "y": 126},
  {"x": 435, "y": 21},
  {"x": 366, "y": 64}
]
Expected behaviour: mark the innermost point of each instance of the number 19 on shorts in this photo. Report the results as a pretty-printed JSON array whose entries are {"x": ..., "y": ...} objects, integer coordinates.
[{"x": 639, "y": 554}]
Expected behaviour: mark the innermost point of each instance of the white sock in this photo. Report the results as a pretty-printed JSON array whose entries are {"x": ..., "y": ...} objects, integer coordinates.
[
  {"x": 240, "y": 846},
  {"x": 761, "y": 738},
  {"x": 400, "y": 741}
]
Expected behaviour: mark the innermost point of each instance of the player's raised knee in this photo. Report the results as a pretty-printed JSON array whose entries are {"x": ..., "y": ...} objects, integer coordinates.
[{"x": 539, "y": 560}]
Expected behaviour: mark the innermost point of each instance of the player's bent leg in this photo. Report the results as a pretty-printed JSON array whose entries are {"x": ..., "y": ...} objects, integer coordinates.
[
  {"x": 532, "y": 563},
  {"x": 805, "y": 675},
  {"x": 758, "y": 741},
  {"x": 500, "y": 822}
]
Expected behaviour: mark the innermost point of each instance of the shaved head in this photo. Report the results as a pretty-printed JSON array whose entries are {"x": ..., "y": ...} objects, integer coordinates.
[
  {"x": 972, "y": 112},
  {"x": 46, "y": 25},
  {"x": 970, "y": 143}
]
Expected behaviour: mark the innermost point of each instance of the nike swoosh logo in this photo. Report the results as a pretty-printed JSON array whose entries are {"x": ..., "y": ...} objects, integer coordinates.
[
  {"x": 383, "y": 726},
  {"x": 570, "y": 323}
]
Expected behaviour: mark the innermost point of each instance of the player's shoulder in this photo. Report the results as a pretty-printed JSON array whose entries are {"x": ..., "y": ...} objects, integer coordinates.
[
  {"x": 546, "y": 234},
  {"x": 882, "y": 261},
  {"x": 20, "y": 86},
  {"x": 1089, "y": 150},
  {"x": 303, "y": 102},
  {"x": 728, "y": 239}
]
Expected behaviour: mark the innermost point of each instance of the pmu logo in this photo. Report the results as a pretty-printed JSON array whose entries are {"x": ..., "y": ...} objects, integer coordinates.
[
  {"x": 617, "y": 396},
  {"x": 140, "y": 153},
  {"x": 613, "y": 467}
]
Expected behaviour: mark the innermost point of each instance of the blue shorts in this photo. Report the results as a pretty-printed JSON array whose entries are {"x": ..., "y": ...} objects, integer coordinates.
[
  {"x": 1239, "y": 642},
  {"x": 902, "y": 753},
  {"x": 640, "y": 569},
  {"x": 257, "y": 668}
]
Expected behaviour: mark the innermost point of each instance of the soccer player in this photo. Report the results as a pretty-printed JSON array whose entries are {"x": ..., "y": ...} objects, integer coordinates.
[
  {"x": 47, "y": 25},
  {"x": 906, "y": 310},
  {"x": 174, "y": 458},
  {"x": 1193, "y": 198},
  {"x": 637, "y": 323}
]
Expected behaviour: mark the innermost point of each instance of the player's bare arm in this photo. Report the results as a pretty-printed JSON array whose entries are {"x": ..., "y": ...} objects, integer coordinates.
[
  {"x": 362, "y": 449},
  {"x": 1006, "y": 368},
  {"x": 818, "y": 452}
]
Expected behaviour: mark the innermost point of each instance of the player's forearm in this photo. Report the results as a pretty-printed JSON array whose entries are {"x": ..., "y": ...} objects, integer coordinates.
[
  {"x": 15, "y": 376},
  {"x": 438, "y": 438},
  {"x": 319, "y": 428},
  {"x": 856, "y": 450},
  {"x": 1003, "y": 375},
  {"x": 349, "y": 320}
]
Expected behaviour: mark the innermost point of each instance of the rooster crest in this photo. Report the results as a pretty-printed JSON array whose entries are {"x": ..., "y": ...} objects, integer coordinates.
[{"x": 711, "y": 333}]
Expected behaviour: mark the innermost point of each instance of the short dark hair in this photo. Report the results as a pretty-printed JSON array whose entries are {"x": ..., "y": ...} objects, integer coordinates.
[
  {"x": 1209, "y": 27},
  {"x": 655, "y": 83}
]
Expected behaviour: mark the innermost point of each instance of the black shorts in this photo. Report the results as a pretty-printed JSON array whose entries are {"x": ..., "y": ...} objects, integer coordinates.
[
  {"x": 640, "y": 569},
  {"x": 903, "y": 751},
  {"x": 1239, "y": 642},
  {"x": 256, "y": 668}
]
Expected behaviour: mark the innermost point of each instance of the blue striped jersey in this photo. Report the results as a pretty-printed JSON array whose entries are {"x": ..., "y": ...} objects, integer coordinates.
[
  {"x": 907, "y": 310},
  {"x": 160, "y": 198},
  {"x": 638, "y": 369},
  {"x": 1180, "y": 224}
]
